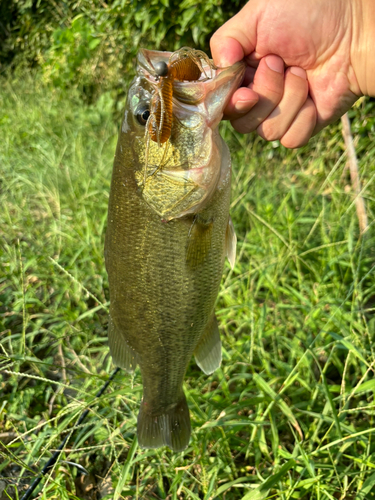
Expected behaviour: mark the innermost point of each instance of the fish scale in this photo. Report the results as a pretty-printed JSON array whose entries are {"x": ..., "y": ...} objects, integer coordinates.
[{"x": 164, "y": 276}]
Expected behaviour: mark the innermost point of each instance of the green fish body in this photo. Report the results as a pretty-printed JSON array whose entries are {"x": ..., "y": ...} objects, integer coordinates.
[{"x": 167, "y": 237}]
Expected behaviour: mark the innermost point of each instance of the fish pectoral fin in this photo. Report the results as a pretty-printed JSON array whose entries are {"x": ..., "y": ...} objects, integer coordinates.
[
  {"x": 171, "y": 428},
  {"x": 199, "y": 241},
  {"x": 208, "y": 351},
  {"x": 230, "y": 243},
  {"x": 122, "y": 354}
]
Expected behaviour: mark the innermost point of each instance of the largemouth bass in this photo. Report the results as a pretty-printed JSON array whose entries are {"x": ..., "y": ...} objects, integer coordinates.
[{"x": 169, "y": 231}]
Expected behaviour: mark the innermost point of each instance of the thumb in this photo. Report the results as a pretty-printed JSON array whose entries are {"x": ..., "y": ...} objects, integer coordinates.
[{"x": 235, "y": 39}]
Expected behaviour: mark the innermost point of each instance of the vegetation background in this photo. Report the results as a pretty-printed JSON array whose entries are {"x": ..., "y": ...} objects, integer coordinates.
[{"x": 290, "y": 414}]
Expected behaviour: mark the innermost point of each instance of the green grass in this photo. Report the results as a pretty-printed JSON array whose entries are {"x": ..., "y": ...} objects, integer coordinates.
[{"x": 289, "y": 415}]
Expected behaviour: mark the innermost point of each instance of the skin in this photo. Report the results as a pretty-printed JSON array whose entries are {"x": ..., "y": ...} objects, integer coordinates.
[{"x": 307, "y": 63}]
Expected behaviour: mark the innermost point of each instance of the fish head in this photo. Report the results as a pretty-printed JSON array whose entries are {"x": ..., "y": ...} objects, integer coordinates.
[{"x": 177, "y": 176}]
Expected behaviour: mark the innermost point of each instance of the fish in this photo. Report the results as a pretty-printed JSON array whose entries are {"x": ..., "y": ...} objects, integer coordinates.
[{"x": 168, "y": 233}]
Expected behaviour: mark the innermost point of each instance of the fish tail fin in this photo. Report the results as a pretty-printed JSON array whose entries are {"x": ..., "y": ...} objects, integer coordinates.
[
  {"x": 172, "y": 428},
  {"x": 122, "y": 355}
]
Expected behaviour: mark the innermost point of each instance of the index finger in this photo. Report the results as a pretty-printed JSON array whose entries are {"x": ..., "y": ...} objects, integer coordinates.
[{"x": 234, "y": 40}]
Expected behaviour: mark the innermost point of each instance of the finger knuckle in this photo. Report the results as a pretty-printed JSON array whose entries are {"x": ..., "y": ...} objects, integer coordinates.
[
  {"x": 243, "y": 126},
  {"x": 269, "y": 131},
  {"x": 273, "y": 94}
]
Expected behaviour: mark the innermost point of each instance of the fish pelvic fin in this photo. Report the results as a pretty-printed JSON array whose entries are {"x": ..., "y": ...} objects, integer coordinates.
[
  {"x": 122, "y": 354},
  {"x": 230, "y": 243},
  {"x": 208, "y": 351},
  {"x": 172, "y": 428}
]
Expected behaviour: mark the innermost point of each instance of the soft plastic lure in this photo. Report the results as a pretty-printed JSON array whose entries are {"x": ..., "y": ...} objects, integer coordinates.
[{"x": 184, "y": 65}]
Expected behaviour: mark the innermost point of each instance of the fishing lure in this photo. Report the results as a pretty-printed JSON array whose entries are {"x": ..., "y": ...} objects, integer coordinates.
[{"x": 184, "y": 65}]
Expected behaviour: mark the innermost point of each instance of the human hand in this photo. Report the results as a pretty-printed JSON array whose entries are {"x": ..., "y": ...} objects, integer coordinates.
[{"x": 324, "y": 49}]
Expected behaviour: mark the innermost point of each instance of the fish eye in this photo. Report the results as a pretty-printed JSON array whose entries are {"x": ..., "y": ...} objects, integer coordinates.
[{"x": 142, "y": 114}]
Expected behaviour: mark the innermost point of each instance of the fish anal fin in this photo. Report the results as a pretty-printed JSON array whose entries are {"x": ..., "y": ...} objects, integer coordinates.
[
  {"x": 122, "y": 354},
  {"x": 199, "y": 241},
  {"x": 172, "y": 428},
  {"x": 208, "y": 351},
  {"x": 230, "y": 243}
]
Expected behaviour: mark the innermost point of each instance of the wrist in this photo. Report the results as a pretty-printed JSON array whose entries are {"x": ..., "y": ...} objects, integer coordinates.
[{"x": 362, "y": 49}]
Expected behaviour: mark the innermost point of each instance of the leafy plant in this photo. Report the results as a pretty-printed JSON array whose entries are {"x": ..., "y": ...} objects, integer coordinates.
[
  {"x": 72, "y": 49},
  {"x": 92, "y": 44}
]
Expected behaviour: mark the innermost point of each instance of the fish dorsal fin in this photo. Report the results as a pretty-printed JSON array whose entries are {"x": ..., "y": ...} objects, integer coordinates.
[
  {"x": 208, "y": 351},
  {"x": 230, "y": 243},
  {"x": 122, "y": 354},
  {"x": 199, "y": 241}
]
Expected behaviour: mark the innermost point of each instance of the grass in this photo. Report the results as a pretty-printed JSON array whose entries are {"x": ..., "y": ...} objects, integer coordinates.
[{"x": 290, "y": 413}]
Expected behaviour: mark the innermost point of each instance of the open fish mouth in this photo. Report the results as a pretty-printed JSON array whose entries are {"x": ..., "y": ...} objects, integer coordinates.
[
  {"x": 186, "y": 64},
  {"x": 186, "y": 88},
  {"x": 185, "y": 95}
]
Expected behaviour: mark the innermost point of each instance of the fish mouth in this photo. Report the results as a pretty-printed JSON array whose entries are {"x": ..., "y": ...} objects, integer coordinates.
[
  {"x": 148, "y": 59},
  {"x": 213, "y": 80}
]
